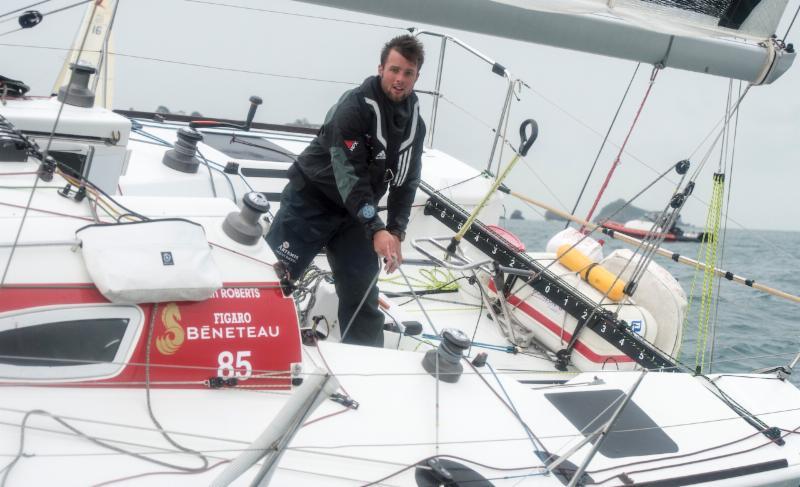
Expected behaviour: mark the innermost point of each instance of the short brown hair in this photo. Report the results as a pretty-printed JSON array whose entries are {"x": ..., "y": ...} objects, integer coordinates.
[{"x": 408, "y": 46}]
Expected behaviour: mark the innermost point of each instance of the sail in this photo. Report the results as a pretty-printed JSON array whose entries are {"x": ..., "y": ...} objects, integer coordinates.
[
  {"x": 729, "y": 38},
  {"x": 754, "y": 20},
  {"x": 98, "y": 43}
]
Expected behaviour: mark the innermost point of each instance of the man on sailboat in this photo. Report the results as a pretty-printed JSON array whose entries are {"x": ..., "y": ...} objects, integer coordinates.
[{"x": 371, "y": 141}]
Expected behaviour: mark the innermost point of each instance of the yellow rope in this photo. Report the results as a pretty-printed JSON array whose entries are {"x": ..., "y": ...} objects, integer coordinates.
[
  {"x": 709, "y": 245},
  {"x": 431, "y": 279}
]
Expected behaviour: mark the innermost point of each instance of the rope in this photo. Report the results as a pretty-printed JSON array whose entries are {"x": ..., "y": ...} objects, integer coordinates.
[
  {"x": 62, "y": 9},
  {"x": 791, "y": 24},
  {"x": 725, "y": 226},
  {"x": 150, "y": 412},
  {"x": 293, "y": 14},
  {"x": 435, "y": 279},
  {"x": 653, "y": 76},
  {"x": 22, "y": 8},
  {"x": 605, "y": 139},
  {"x": 710, "y": 245}
]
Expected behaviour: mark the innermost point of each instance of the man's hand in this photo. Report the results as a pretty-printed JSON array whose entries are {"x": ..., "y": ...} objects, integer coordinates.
[{"x": 388, "y": 246}]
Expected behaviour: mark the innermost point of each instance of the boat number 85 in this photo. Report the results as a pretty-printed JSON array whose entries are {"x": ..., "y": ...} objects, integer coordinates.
[{"x": 241, "y": 368}]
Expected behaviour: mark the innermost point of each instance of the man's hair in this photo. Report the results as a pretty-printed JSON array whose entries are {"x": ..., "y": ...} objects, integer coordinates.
[{"x": 408, "y": 46}]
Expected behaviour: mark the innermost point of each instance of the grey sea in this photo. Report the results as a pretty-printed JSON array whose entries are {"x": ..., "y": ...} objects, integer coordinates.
[{"x": 751, "y": 329}]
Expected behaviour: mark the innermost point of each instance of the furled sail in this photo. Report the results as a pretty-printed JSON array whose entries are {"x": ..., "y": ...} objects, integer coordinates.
[{"x": 730, "y": 38}]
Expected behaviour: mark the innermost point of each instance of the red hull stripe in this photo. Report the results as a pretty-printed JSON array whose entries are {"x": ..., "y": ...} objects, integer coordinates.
[{"x": 553, "y": 327}]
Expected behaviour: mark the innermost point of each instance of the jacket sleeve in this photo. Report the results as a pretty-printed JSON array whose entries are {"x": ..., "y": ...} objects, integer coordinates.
[
  {"x": 401, "y": 197},
  {"x": 346, "y": 137}
]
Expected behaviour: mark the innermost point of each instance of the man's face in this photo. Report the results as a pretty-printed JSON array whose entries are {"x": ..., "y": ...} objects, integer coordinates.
[{"x": 398, "y": 76}]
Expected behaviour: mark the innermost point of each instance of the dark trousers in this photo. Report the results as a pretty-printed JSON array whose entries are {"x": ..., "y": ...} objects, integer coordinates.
[{"x": 303, "y": 225}]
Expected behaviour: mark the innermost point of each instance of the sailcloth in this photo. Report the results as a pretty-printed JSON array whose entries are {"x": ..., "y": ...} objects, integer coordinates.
[
  {"x": 729, "y": 38},
  {"x": 753, "y": 20}
]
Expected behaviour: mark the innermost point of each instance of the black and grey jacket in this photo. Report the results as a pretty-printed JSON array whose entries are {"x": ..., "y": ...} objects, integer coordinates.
[{"x": 366, "y": 145}]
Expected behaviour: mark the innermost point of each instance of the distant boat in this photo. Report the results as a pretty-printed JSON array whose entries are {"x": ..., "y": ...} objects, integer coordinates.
[{"x": 643, "y": 228}]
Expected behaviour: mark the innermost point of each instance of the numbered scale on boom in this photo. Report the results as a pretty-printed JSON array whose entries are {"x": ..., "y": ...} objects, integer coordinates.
[{"x": 601, "y": 321}]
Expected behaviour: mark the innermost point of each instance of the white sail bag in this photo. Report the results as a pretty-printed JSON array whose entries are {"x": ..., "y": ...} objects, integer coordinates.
[{"x": 150, "y": 261}]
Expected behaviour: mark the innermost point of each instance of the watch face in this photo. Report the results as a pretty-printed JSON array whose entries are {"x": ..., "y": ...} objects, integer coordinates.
[{"x": 367, "y": 212}]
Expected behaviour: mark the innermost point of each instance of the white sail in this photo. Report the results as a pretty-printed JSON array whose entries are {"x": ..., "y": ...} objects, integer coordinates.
[
  {"x": 706, "y": 36},
  {"x": 99, "y": 42},
  {"x": 699, "y": 18}
]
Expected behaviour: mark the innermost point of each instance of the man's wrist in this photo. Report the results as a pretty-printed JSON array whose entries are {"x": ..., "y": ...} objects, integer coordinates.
[
  {"x": 400, "y": 234},
  {"x": 374, "y": 227}
]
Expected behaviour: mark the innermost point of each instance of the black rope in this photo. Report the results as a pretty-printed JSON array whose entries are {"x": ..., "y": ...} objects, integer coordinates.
[
  {"x": 150, "y": 412},
  {"x": 605, "y": 139}
]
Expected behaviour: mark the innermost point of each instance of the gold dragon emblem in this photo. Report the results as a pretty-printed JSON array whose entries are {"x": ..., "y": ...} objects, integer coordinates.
[{"x": 171, "y": 340}]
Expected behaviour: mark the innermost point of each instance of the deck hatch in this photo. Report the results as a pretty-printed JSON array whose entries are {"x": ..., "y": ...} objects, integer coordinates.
[
  {"x": 263, "y": 150},
  {"x": 634, "y": 433},
  {"x": 64, "y": 343}
]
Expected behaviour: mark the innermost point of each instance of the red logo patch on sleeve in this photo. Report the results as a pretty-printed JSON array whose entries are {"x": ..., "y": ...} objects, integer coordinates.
[{"x": 351, "y": 144}]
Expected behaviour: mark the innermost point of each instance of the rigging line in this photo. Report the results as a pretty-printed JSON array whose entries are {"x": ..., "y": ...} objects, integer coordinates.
[
  {"x": 701, "y": 460},
  {"x": 416, "y": 298},
  {"x": 720, "y": 133},
  {"x": 328, "y": 367},
  {"x": 318, "y": 448},
  {"x": 480, "y": 314},
  {"x": 98, "y": 441},
  {"x": 150, "y": 411},
  {"x": 124, "y": 426},
  {"x": 44, "y": 158},
  {"x": 211, "y": 176},
  {"x": 423, "y": 463},
  {"x": 294, "y": 14},
  {"x": 590, "y": 232},
  {"x": 458, "y": 183},
  {"x": 525, "y": 426},
  {"x": 605, "y": 139},
  {"x": 591, "y": 129},
  {"x": 536, "y": 175},
  {"x": 346, "y": 329},
  {"x": 232, "y": 70},
  {"x": 19, "y": 232},
  {"x": 22, "y": 8},
  {"x": 643, "y": 163},
  {"x": 213, "y": 165},
  {"x": 616, "y": 162},
  {"x": 147, "y": 474},
  {"x": 514, "y": 409},
  {"x": 62, "y": 9},
  {"x": 791, "y": 24},
  {"x": 715, "y": 323}
]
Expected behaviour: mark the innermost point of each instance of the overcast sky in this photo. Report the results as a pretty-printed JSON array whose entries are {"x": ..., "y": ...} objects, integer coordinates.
[{"x": 573, "y": 96}]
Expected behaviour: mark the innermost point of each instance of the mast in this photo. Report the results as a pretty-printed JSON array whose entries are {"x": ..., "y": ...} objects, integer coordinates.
[
  {"x": 99, "y": 43},
  {"x": 703, "y": 50}
]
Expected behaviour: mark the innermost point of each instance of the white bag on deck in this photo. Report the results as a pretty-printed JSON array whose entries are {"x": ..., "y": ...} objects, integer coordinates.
[{"x": 150, "y": 261}]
